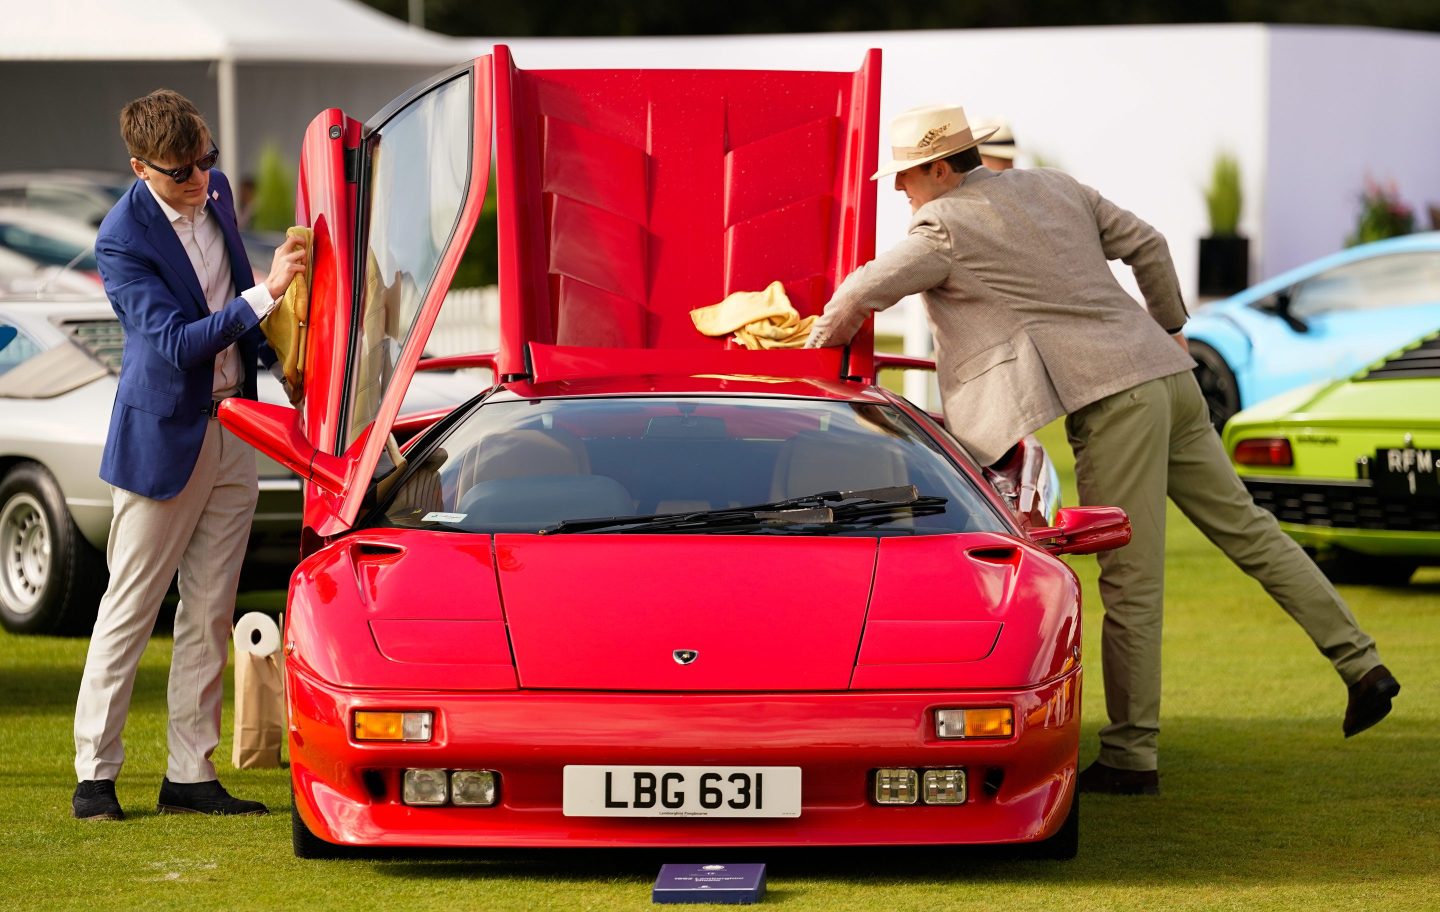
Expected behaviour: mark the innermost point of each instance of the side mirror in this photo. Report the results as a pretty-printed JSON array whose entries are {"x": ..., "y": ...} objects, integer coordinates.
[
  {"x": 275, "y": 431},
  {"x": 1281, "y": 309},
  {"x": 1084, "y": 530}
]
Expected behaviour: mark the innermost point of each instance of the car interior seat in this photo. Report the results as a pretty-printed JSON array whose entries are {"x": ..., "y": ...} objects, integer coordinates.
[{"x": 815, "y": 461}]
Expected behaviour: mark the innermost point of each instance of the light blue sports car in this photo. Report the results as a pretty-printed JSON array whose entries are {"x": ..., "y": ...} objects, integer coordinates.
[{"x": 1320, "y": 321}]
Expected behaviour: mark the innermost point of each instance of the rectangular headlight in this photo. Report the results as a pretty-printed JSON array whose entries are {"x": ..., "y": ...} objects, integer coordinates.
[
  {"x": 896, "y": 786},
  {"x": 473, "y": 788},
  {"x": 945, "y": 786},
  {"x": 393, "y": 726},
  {"x": 989, "y": 722},
  {"x": 425, "y": 787}
]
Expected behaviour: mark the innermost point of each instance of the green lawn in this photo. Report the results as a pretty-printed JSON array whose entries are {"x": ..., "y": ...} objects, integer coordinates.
[{"x": 1265, "y": 805}]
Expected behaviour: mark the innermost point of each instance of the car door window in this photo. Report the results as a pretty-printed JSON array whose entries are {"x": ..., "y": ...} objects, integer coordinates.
[
  {"x": 1372, "y": 284},
  {"x": 15, "y": 347},
  {"x": 416, "y": 186}
]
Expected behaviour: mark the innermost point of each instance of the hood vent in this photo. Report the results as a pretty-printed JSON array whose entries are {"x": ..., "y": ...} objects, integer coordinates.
[
  {"x": 103, "y": 340},
  {"x": 1421, "y": 361}
]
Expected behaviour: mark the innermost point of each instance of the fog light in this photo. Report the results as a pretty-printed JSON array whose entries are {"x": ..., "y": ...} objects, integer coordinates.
[
  {"x": 991, "y": 722},
  {"x": 473, "y": 788},
  {"x": 425, "y": 787},
  {"x": 944, "y": 786},
  {"x": 393, "y": 726},
  {"x": 896, "y": 786}
]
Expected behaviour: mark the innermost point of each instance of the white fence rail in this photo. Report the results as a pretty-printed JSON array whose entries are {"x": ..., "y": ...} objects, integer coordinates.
[{"x": 469, "y": 321}]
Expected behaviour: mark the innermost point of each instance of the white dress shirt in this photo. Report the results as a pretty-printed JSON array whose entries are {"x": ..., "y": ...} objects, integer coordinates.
[{"x": 204, "y": 244}]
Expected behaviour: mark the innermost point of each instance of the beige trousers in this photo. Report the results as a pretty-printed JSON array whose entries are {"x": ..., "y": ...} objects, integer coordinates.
[
  {"x": 1131, "y": 450},
  {"x": 202, "y": 532}
]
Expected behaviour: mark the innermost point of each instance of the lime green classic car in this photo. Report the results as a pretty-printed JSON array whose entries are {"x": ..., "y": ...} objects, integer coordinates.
[{"x": 1352, "y": 468}]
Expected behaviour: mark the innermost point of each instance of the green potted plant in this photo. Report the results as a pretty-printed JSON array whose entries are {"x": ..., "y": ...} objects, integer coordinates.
[{"x": 1225, "y": 254}]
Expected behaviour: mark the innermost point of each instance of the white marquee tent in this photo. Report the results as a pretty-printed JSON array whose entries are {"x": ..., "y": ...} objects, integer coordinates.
[{"x": 258, "y": 69}]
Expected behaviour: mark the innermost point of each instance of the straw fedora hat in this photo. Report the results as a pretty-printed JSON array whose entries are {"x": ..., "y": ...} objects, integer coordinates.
[{"x": 922, "y": 135}]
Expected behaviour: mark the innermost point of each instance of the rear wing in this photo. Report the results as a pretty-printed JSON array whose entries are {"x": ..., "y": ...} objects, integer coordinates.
[{"x": 628, "y": 198}]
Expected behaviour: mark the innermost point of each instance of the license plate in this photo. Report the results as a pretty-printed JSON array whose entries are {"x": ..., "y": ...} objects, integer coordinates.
[
  {"x": 682, "y": 791},
  {"x": 1406, "y": 471}
]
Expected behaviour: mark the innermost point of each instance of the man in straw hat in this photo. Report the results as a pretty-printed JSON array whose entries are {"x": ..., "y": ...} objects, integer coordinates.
[{"x": 1030, "y": 324}]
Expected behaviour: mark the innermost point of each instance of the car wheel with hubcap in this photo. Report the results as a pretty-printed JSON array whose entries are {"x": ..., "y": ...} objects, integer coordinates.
[
  {"x": 51, "y": 579},
  {"x": 1217, "y": 383}
]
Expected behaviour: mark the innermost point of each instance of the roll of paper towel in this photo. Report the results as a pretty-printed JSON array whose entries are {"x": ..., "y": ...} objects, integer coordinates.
[{"x": 257, "y": 634}]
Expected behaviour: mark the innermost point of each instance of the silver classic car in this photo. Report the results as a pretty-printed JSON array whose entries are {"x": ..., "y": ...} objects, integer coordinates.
[{"x": 57, "y": 385}]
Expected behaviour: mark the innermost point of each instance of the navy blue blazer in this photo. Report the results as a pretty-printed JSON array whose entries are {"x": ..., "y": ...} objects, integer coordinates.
[{"x": 171, "y": 339}]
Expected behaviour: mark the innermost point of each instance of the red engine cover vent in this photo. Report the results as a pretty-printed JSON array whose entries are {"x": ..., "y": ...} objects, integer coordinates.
[
  {"x": 994, "y": 555},
  {"x": 375, "y": 549}
]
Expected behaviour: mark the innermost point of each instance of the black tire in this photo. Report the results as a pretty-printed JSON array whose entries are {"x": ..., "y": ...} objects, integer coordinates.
[
  {"x": 307, "y": 845},
  {"x": 1217, "y": 383},
  {"x": 1366, "y": 569},
  {"x": 1065, "y": 844},
  {"x": 51, "y": 578}
]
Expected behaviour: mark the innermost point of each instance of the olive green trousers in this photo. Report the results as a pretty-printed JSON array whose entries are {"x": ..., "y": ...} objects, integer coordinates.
[{"x": 1133, "y": 449}]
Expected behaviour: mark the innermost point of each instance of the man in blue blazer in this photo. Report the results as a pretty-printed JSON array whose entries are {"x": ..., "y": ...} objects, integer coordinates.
[{"x": 184, "y": 488}]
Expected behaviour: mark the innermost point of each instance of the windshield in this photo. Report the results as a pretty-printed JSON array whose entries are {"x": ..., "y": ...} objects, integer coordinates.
[
  {"x": 525, "y": 466},
  {"x": 51, "y": 245}
]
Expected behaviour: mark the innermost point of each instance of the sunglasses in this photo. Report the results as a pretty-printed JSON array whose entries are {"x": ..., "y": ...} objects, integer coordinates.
[{"x": 182, "y": 174}]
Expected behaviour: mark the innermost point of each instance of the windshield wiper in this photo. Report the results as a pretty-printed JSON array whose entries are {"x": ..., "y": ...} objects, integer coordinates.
[{"x": 868, "y": 506}]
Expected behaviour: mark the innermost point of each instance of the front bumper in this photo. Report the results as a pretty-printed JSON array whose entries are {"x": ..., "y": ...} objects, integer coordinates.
[{"x": 348, "y": 792}]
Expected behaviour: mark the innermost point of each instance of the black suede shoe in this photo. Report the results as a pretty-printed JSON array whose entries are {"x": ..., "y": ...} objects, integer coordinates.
[
  {"x": 95, "y": 799},
  {"x": 1369, "y": 700},
  {"x": 1107, "y": 780},
  {"x": 204, "y": 798}
]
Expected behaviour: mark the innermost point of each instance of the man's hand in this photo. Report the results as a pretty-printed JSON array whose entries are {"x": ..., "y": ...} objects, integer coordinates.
[
  {"x": 1180, "y": 341},
  {"x": 288, "y": 263},
  {"x": 294, "y": 393}
]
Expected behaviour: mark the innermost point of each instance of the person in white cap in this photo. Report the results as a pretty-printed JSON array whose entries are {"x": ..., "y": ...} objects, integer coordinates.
[
  {"x": 1030, "y": 324},
  {"x": 998, "y": 152}
]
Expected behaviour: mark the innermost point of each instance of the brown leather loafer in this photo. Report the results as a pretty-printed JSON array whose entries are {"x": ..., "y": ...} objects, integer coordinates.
[
  {"x": 1107, "y": 780},
  {"x": 1369, "y": 700}
]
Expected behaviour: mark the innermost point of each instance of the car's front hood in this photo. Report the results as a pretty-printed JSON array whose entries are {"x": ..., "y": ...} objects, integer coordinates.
[
  {"x": 684, "y": 612},
  {"x": 410, "y": 609},
  {"x": 738, "y": 613}
]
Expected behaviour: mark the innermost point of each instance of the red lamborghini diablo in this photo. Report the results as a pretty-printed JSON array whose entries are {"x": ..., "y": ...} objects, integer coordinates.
[{"x": 650, "y": 588}]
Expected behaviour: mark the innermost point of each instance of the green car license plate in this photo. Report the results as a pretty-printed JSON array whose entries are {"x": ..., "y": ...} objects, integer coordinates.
[{"x": 1406, "y": 472}]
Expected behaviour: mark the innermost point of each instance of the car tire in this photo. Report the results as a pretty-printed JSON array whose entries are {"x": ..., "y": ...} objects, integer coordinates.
[
  {"x": 307, "y": 845},
  {"x": 1217, "y": 383},
  {"x": 1065, "y": 844},
  {"x": 1367, "y": 569},
  {"x": 51, "y": 578}
]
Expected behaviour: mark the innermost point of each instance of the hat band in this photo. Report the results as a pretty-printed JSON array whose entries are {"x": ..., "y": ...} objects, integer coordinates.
[{"x": 943, "y": 146}]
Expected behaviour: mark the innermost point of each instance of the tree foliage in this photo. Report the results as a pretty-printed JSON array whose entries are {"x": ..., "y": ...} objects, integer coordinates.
[{"x": 274, "y": 208}]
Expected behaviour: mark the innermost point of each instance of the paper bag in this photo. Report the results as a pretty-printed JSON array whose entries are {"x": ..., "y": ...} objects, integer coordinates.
[{"x": 259, "y": 710}]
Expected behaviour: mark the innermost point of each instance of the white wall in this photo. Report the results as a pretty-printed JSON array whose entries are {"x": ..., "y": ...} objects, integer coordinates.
[
  {"x": 1137, "y": 112},
  {"x": 1346, "y": 102},
  {"x": 1140, "y": 112}
]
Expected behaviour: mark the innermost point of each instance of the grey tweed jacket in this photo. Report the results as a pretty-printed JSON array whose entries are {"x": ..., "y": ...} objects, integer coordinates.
[{"x": 1028, "y": 320}]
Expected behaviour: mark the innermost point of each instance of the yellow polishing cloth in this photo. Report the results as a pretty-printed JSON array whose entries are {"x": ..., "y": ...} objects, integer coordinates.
[
  {"x": 759, "y": 319},
  {"x": 285, "y": 326}
]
